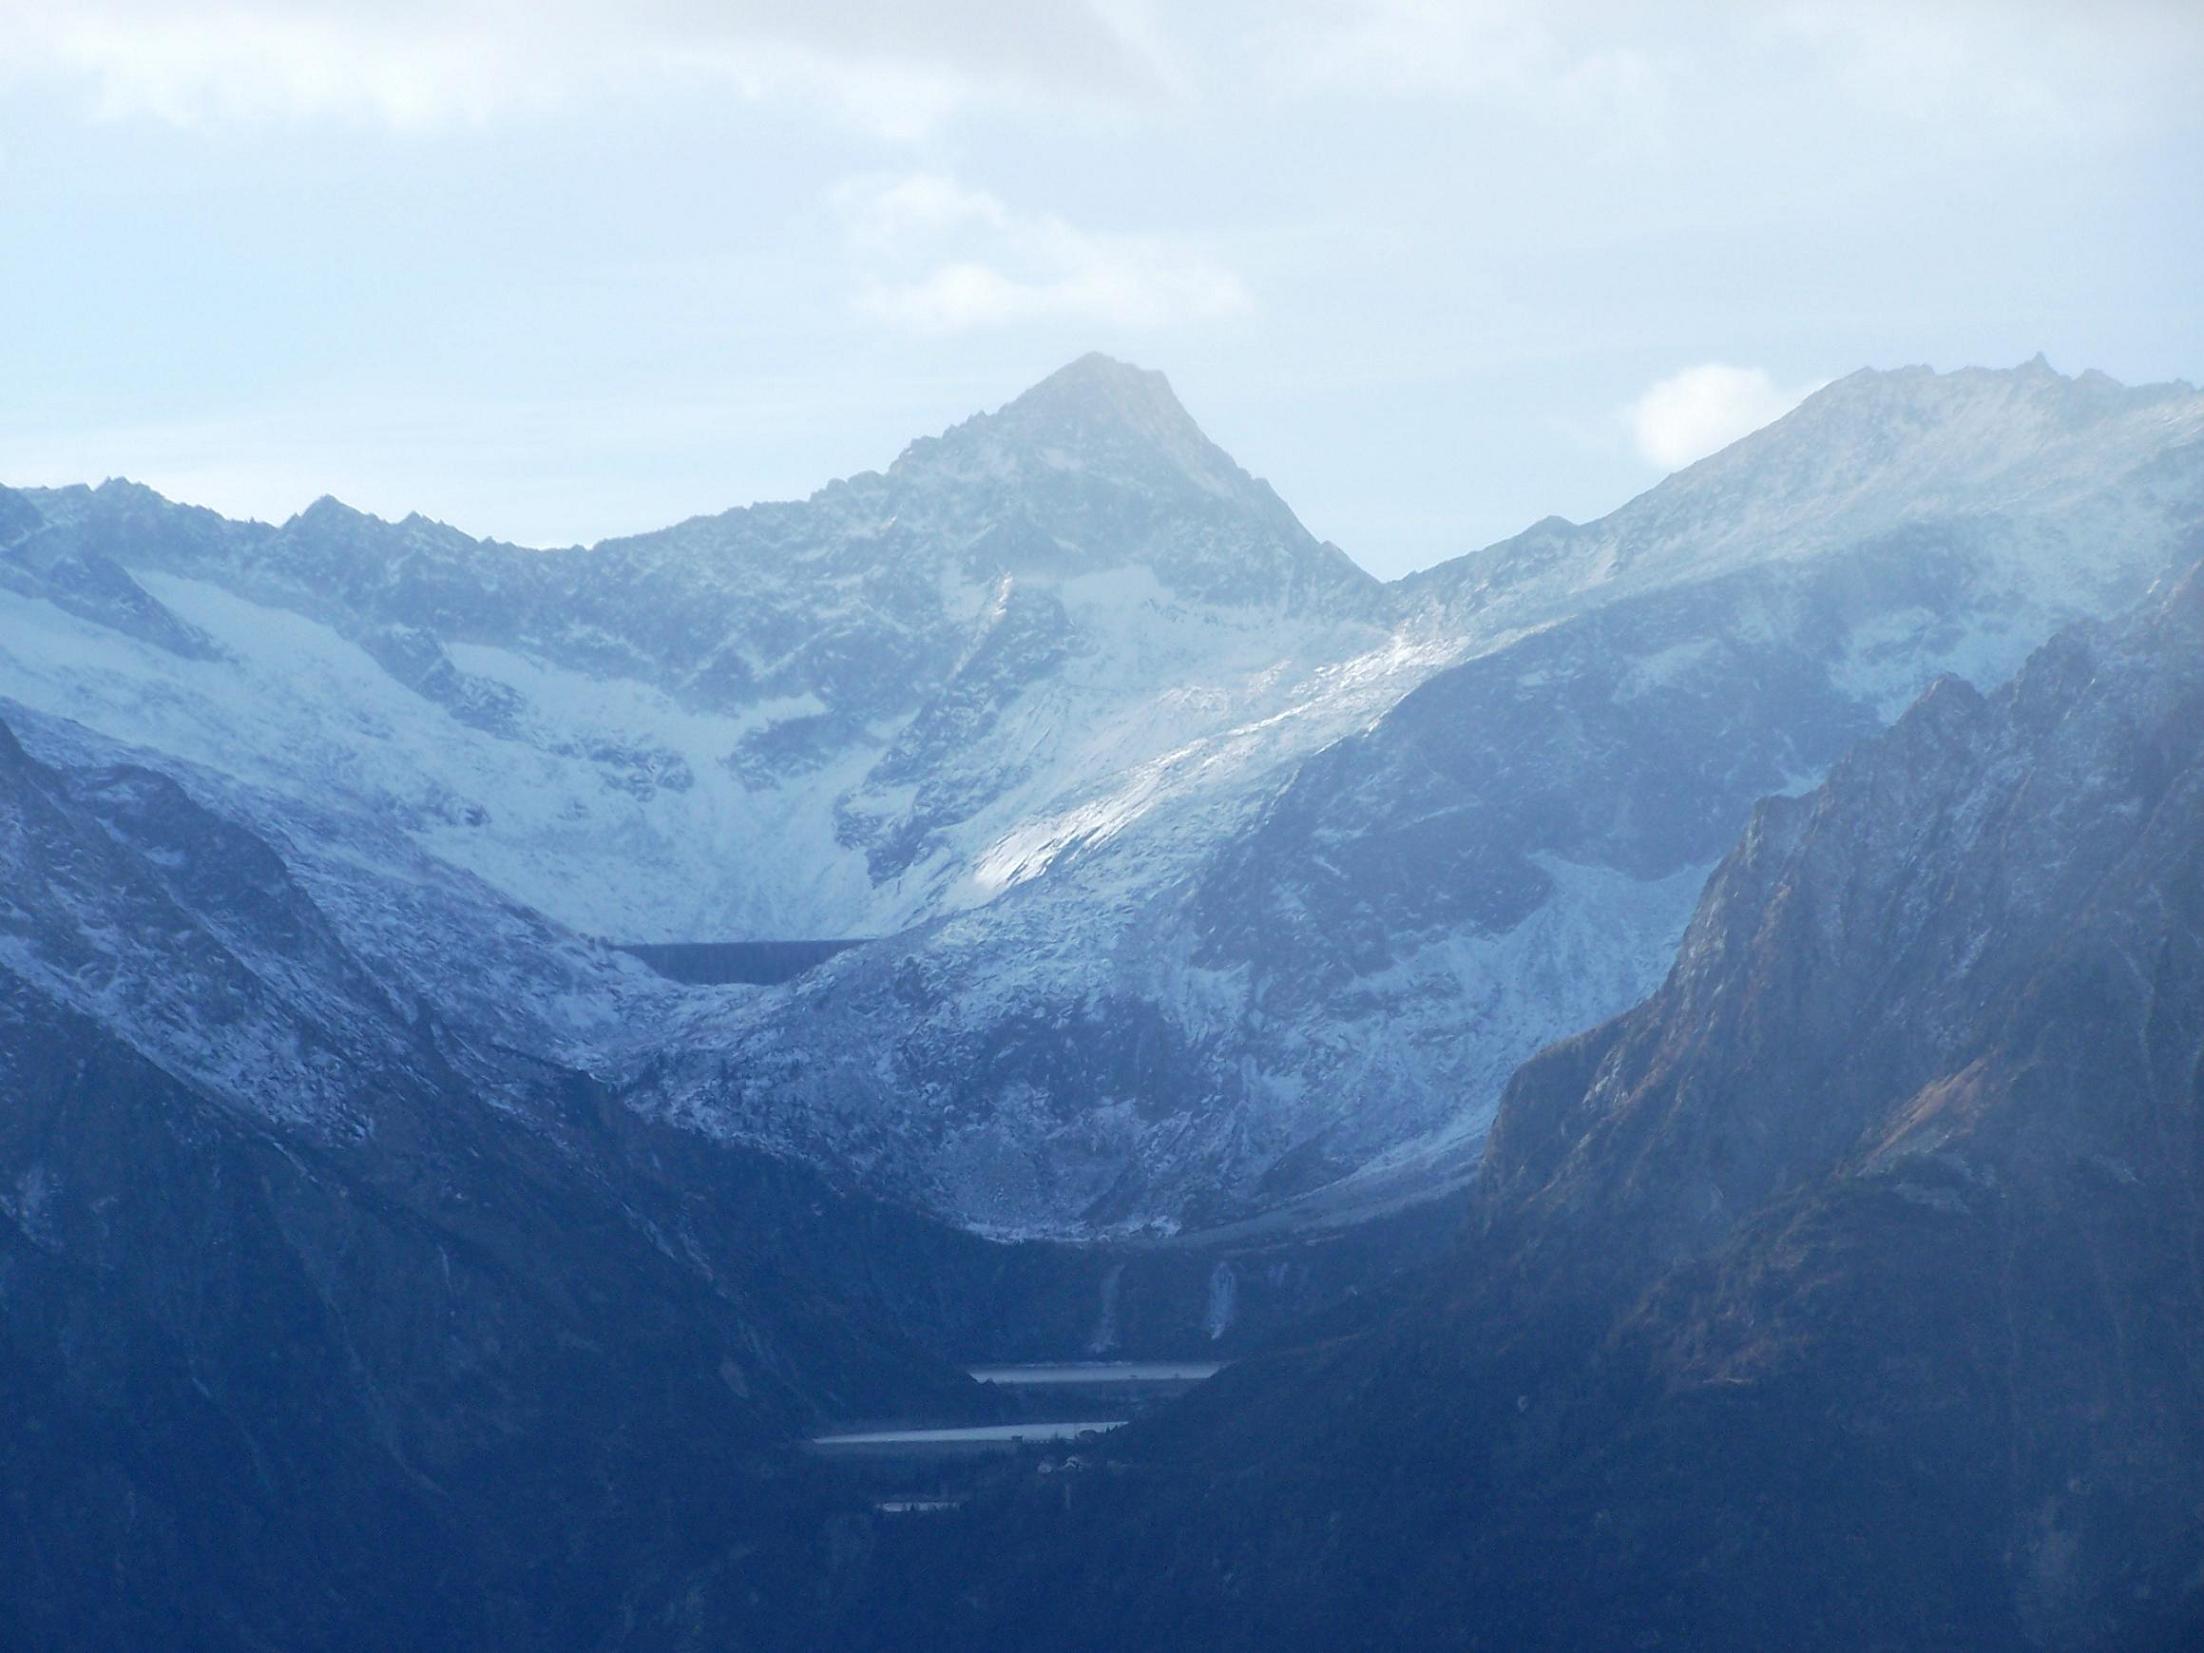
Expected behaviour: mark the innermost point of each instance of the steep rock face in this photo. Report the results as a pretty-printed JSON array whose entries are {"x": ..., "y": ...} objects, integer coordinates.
[
  {"x": 37, "y": 561},
  {"x": 133, "y": 904},
  {"x": 1881, "y": 962},
  {"x": 290, "y": 958},
  {"x": 1845, "y": 1293}
]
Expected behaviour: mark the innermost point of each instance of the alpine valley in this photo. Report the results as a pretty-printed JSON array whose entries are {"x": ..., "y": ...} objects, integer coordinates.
[{"x": 1646, "y": 994}]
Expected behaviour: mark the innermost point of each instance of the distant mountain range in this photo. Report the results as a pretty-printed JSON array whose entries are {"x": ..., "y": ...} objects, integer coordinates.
[
  {"x": 1214, "y": 876},
  {"x": 385, "y": 1244}
]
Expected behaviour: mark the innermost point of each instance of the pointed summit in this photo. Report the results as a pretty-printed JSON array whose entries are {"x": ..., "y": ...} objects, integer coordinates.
[
  {"x": 1098, "y": 413},
  {"x": 328, "y": 512},
  {"x": 1099, "y": 466},
  {"x": 1100, "y": 390},
  {"x": 1101, "y": 418}
]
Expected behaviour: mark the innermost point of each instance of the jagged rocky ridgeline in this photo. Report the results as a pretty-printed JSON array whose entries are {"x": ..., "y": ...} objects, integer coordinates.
[{"x": 1217, "y": 879}]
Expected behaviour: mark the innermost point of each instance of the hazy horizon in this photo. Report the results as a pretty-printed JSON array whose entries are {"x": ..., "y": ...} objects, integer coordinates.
[{"x": 1285, "y": 492}]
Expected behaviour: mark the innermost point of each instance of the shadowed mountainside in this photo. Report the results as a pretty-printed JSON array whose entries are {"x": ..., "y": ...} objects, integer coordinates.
[{"x": 1847, "y": 1293}]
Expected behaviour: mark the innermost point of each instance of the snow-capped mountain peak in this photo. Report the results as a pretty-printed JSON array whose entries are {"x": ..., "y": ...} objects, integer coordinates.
[
  {"x": 1102, "y": 414},
  {"x": 329, "y": 512},
  {"x": 1099, "y": 466},
  {"x": 1877, "y": 452},
  {"x": 1977, "y": 438},
  {"x": 1214, "y": 872},
  {"x": 1098, "y": 391}
]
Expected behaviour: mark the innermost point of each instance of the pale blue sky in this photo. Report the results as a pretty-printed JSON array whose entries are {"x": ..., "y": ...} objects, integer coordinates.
[{"x": 561, "y": 270}]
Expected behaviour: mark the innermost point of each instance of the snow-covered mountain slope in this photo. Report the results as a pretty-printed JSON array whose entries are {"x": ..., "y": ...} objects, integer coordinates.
[
  {"x": 1869, "y": 456},
  {"x": 1215, "y": 873},
  {"x": 1216, "y": 1012},
  {"x": 308, "y": 968},
  {"x": 804, "y": 719}
]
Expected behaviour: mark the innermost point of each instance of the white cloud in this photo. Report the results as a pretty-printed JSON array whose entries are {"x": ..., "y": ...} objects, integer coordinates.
[
  {"x": 413, "y": 65},
  {"x": 945, "y": 258},
  {"x": 1691, "y": 414}
]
